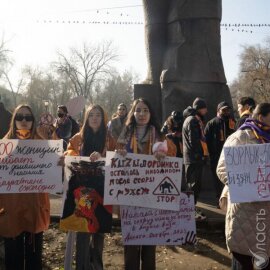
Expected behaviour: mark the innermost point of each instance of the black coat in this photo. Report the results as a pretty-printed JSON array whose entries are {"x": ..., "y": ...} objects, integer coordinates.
[
  {"x": 216, "y": 132},
  {"x": 5, "y": 121},
  {"x": 192, "y": 135}
]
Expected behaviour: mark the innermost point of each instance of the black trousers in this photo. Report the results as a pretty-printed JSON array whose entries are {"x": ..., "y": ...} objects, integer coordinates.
[
  {"x": 140, "y": 257},
  {"x": 89, "y": 250},
  {"x": 194, "y": 178},
  {"x": 217, "y": 183},
  {"x": 24, "y": 252}
]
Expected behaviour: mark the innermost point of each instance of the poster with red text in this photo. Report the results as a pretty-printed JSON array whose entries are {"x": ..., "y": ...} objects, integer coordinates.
[
  {"x": 148, "y": 226},
  {"x": 30, "y": 166},
  {"x": 142, "y": 180},
  {"x": 248, "y": 172}
]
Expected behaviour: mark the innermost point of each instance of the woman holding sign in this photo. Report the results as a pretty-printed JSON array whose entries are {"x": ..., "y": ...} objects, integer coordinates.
[
  {"x": 248, "y": 224},
  {"x": 92, "y": 141},
  {"x": 140, "y": 135},
  {"x": 24, "y": 216}
]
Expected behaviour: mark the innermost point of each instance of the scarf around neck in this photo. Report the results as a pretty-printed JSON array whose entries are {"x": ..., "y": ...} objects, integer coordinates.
[
  {"x": 144, "y": 145},
  {"x": 23, "y": 134},
  {"x": 202, "y": 139},
  {"x": 260, "y": 130}
]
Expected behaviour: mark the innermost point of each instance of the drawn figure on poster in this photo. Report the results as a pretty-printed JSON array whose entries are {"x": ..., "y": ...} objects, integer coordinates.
[
  {"x": 166, "y": 186},
  {"x": 87, "y": 200},
  {"x": 83, "y": 208}
]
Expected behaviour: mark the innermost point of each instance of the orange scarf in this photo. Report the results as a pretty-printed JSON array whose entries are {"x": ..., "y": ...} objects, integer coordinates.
[
  {"x": 23, "y": 134},
  {"x": 222, "y": 132},
  {"x": 231, "y": 123},
  {"x": 134, "y": 142},
  {"x": 246, "y": 112},
  {"x": 203, "y": 140}
]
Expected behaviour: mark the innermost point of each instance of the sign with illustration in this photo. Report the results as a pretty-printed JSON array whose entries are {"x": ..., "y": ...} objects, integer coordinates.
[
  {"x": 83, "y": 209},
  {"x": 142, "y": 180}
]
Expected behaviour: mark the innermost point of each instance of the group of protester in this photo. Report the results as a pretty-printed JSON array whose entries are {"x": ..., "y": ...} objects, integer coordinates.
[
  {"x": 199, "y": 143},
  {"x": 24, "y": 217}
]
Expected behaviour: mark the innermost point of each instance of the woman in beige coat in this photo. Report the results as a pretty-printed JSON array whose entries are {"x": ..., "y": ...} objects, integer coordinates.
[{"x": 247, "y": 230}]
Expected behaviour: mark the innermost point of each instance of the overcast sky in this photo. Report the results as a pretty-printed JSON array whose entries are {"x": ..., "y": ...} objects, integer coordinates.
[{"x": 34, "y": 41}]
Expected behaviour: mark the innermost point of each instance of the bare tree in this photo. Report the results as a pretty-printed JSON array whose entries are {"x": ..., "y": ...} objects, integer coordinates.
[
  {"x": 254, "y": 77},
  {"x": 45, "y": 85},
  {"x": 15, "y": 89},
  {"x": 60, "y": 88},
  {"x": 116, "y": 89},
  {"x": 87, "y": 65},
  {"x": 6, "y": 64},
  {"x": 4, "y": 55}
]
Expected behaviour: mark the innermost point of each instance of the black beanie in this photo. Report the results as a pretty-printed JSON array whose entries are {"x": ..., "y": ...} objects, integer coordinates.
[{"x": 199, "y": 103}]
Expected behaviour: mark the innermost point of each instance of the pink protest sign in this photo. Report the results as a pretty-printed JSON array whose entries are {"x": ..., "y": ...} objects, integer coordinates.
[{"x": 76, "y": 105}]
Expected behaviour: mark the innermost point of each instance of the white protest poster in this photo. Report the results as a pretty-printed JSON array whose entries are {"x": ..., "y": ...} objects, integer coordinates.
[
  {"x": 148, "y": 226},
  {"x": 30, "y": 166},
  {"x": 248, "y": 172},
  {"x": 142, "y": 180}
]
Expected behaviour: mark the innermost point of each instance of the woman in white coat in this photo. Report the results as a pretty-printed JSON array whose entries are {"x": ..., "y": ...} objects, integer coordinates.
[{"x": 243, "y": 223}]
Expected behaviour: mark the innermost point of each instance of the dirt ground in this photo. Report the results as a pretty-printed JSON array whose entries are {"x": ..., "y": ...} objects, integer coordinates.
[{"x": 209, "y": 253}]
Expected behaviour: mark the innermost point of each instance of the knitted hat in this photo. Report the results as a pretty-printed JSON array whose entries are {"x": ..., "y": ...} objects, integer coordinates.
[
  {"x": 199, "y": 103},
  {"x": 177, "y": 116},
  {"x": 223, "y": 105}
]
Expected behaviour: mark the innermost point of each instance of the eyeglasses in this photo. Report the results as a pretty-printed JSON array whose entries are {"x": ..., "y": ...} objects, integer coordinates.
[{"x": 20, "y": 117}]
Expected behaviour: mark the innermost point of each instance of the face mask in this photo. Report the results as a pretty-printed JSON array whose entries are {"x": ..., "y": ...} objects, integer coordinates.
[{"x": 60, "y": 115}]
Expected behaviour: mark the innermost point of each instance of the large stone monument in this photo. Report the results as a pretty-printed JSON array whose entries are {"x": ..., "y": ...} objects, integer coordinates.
[{"x": 184, "y": 55}]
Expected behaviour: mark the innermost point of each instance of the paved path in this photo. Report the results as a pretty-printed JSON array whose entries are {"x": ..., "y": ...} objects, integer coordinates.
[{"x": 207, "y": 204}]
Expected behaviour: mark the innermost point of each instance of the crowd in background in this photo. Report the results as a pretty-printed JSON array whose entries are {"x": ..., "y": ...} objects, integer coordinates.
[{"x": 136, "y": 130}]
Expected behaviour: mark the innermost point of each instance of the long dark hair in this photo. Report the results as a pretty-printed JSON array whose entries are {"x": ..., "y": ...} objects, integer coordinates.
[
  {"x": 131, "y": 121},
  {"x": 93, "y": 141},
  {"x": 11, "y": 134}
]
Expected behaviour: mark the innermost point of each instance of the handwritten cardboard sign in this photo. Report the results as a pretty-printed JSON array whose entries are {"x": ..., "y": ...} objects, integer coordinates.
[
  {"x": 248, "y": 172},
  {"x": 147, "y": 226},
  {"x": 83, "y": 209},
  {"x": 30, "y": 166},
  {"x": 141, "y": 180}
]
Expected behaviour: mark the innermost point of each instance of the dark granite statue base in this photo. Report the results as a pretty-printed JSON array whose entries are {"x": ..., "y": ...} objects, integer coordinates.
[{"x": 177, "y": 96}]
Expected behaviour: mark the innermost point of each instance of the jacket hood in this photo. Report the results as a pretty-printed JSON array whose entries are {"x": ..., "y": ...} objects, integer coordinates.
[{"x": 189, "y": 111}]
